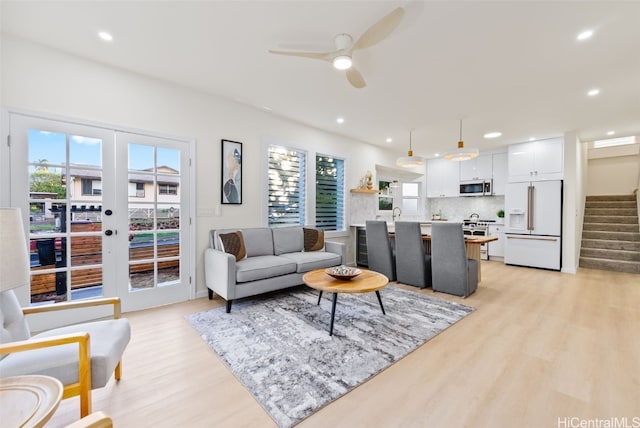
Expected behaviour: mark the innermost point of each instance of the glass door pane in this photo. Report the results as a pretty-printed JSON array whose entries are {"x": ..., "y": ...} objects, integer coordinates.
[{"x": 65, "y": 214}]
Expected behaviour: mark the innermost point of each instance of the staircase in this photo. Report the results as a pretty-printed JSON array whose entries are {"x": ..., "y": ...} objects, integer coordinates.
[{"x": 610, "y": 234}]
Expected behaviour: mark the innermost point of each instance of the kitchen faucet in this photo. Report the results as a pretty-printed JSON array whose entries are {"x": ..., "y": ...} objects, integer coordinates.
[{"x": 393, "y": 213}]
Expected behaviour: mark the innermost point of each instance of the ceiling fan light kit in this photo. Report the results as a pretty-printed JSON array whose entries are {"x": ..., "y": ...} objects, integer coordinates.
[
  {"x": 342, "y": 62},
  {"x": 342, "y": 56},
  {"x": 461, "y": 154}
]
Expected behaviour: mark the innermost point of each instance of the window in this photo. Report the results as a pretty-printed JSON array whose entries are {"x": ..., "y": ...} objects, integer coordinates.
[
  {"x": 329, "y": 193},
  {"x": 167, "y": 189},
  {"x": 410, "y": 198},
  {"x": 136, "y": 190},
  {"x": 91, "y": 187},
  {"x": 405, "y": 195},
  {"x": 286, "y": 191}
]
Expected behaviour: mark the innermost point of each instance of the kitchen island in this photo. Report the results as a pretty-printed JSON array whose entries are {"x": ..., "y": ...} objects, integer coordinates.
[{"x": 473, "y": 244}]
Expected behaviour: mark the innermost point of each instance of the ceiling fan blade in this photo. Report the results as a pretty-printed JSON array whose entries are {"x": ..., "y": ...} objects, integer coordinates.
[
  {"x": 325, "y": 56},
  {"x": 380, "y": 30},
  {"x": 355, "y": 78}
]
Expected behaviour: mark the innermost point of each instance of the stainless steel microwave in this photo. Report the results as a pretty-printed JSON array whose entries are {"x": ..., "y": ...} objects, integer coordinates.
[{"x": 476, "y": 188}]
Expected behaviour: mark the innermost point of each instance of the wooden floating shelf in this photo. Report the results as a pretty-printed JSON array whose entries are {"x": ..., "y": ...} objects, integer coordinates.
[{"x": 371, "y": 191}]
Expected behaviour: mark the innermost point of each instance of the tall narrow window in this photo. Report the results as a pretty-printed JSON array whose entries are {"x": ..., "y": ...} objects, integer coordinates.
[
  {"x": 286, "y": 186},
  {"x": 329, "y": 193},
  {"x": 410, "y": 198}
]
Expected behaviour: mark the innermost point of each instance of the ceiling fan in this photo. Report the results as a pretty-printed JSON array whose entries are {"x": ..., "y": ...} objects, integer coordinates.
[{"x": 341, "y": 57}]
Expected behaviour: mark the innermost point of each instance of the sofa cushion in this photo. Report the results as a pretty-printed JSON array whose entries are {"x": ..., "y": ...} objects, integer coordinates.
[
  {"x": 258, "y": 241},
  {"x": 287, "y": 240},
  {"x": 313, "y": 239},
  {"x": 261, "y": 267},
  {"x": 233, "y": 243},
  {"x": 308, "y": 261}
]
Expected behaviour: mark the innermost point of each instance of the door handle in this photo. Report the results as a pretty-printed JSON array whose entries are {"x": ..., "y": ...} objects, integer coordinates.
[
  {"x": 109, "y": 232},
  {"x": 534, "y": 239}
]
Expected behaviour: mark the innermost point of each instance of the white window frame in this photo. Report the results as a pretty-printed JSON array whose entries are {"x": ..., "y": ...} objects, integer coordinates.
[
  {"x": 303, "y": 188},
  {"x": 310, "y": 185},
  {"x": 342, "y": 221}
]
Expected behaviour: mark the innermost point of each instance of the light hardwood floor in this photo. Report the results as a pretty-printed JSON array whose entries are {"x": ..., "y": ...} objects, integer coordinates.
[{"x": 541, "y": 347}]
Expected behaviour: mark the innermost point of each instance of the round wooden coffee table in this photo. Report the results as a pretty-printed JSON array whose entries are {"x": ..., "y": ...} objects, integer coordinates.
[
  {"x": 28, "y": 401},
  {"x": 366, "y": 282}
]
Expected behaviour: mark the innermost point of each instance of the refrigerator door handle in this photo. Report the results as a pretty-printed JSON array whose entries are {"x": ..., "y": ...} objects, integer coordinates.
[
  {"x": 530, "y": 190},
  {"x": 533, "y": 239}
]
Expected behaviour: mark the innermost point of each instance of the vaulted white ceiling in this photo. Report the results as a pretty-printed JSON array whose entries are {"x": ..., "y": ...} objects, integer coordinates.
[{"x": 514, "y": 67}]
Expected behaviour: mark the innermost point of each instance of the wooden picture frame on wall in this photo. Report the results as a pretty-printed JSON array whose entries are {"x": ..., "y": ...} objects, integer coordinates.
[{"x": 231, "y": 191}]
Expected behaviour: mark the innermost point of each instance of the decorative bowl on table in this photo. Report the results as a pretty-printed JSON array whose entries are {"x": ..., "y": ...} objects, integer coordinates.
[{"x": 344, "y": 273}]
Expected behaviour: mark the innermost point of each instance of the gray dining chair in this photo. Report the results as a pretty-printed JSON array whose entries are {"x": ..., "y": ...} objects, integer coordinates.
[
  {"x": 451, "y": 271},
  {"x": 413, "y": 265},
  {"x": 380, "y": 253}
]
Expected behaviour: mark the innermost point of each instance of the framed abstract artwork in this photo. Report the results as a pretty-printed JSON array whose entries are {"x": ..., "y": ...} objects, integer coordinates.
[{"x": 231, "y": 172}]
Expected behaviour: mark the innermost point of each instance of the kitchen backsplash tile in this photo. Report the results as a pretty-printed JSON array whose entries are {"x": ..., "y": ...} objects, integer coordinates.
[
  {"x": 364, "y": 206},
  {"x": 458, "y": 209}
]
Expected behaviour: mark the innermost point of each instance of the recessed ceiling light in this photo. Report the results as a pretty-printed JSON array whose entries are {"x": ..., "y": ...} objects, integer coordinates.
[
  {"x": 532, "y": 139},
  {"x": 611, "y": 132},
  {"x": 492, "y": 134},
  {"x": 585, "y": 35},
  {"x": 340, "y": 120},
  {"x": 105, "y": 36},
  {"x": 593, "y": 92},
  {"x": 389, "y": 140},
  {"x": 437, "y": 155}
]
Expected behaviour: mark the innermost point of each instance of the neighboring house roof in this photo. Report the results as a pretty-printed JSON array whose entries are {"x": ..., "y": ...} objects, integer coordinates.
[{"x": 94, "y": 174}]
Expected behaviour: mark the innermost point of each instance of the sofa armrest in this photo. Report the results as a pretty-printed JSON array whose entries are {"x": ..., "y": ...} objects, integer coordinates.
[
  {"x": 337, "y": 248},
  {"x": 220, "y": 273}
]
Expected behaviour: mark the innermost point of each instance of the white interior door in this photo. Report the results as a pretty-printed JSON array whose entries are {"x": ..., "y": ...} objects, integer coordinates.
[{"x": 90, "y": 232}]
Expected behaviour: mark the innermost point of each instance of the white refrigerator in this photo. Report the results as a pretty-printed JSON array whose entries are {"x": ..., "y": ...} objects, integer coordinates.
[{"x": 533, "y": 224}]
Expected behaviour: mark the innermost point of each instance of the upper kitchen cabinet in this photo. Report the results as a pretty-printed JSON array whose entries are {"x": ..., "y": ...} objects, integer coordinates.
[
  {"x": 536, "y": 161},
  {"x": 443, "y": 178},
  {"x": 480, "y": 168}
]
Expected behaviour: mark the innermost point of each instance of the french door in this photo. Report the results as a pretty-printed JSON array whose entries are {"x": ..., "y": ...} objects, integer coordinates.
[{"x": 106, "y": 212}]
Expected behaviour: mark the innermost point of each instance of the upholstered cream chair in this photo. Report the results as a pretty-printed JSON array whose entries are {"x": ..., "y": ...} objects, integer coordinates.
[{"x": 81, "y": 356}]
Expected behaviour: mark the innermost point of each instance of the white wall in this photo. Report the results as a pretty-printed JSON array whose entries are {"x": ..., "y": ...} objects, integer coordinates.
[
  {"x": 39, "y": 79},
  {"x": 613, "y": 170}
]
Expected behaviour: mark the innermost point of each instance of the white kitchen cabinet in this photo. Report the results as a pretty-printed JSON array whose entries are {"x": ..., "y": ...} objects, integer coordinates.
[
  {"x": 479, "y": 168},
  {"x": 536, "y": 161},
  {"x": 443, "y": 178},
  {"x": 499, "y": 173},
  {"x": 496, "y": 248}
]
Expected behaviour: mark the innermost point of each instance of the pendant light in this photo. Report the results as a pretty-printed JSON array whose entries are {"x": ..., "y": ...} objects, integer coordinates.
[
  {"x": 410, "y": 160},
  {"x": 461, "y": 154}
]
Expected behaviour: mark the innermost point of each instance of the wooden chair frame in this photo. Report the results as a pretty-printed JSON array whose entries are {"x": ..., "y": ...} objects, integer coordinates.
[{"x": 83, "y": 386}]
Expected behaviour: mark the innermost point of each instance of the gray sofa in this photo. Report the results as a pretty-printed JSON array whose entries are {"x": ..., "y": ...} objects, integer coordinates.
[{"x": 275, "y": 259}]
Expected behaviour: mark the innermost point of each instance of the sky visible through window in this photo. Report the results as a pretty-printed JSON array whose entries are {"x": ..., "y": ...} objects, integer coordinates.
[{"x": 50, "y": 147}]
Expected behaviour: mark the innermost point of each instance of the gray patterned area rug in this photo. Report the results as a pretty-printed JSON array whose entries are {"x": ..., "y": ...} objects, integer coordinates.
[{"x": 279, "y": 346}]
